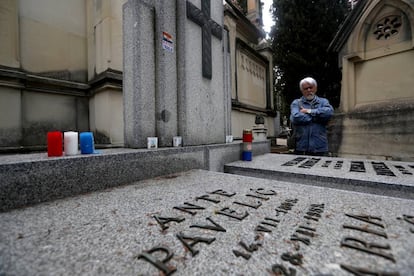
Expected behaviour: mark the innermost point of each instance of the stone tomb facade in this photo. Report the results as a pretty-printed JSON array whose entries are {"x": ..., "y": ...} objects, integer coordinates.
[
  {"x": 251, "y": 78},
  {"x": 42, "y": 89},
  {"x": 376, "y": 54},
  {"x": 206, "y": 223},
  {"x": 173, "y": 73}
]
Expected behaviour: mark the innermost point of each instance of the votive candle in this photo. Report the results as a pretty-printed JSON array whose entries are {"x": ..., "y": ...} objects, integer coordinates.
[
  {"x": 70, "y": 139},
  {"x": 86, "y": 143},
  {"x": 54, "y": 143}
]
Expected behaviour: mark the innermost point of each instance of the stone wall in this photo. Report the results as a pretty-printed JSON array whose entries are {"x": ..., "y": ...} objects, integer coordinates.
[{"x": 384, "y": 131}]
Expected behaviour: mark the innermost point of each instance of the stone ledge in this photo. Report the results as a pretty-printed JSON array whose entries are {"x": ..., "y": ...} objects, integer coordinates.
[
  {"x": 330, "y": 172},
  {"x": 28, "y": 179}
]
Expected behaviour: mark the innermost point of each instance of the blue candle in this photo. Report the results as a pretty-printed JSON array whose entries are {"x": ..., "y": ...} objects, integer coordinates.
[{"x": 86, "y": 143}]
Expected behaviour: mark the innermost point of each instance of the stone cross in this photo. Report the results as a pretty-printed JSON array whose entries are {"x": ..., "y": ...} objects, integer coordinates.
[
  {"x": 209, "y": 27},
  {"x": 164, "y": 89}
]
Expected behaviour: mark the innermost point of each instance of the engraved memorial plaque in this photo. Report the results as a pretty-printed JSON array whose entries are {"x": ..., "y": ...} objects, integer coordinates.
[
  {"x": 390, "y": 178},
  {"x": 207, "y": 223},
  {"x": 252, "y": 75},
  {"x": 299, "y": 230}
]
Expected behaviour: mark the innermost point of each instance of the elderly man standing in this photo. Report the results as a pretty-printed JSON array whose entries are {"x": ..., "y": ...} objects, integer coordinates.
[{"x": 309, "y": 116}]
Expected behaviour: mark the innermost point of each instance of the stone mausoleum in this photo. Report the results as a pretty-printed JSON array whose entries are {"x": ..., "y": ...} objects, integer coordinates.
[
  {"x": 61, "y": 68},
  {"x": 376, "y": 55}
]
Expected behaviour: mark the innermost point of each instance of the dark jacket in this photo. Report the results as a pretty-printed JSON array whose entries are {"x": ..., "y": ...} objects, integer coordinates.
[{"x": 310, "y": 129}]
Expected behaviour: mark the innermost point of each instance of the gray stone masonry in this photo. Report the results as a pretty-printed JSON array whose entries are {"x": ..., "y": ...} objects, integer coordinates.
[
  {"x": 138, "y": 74},
  {"x": 209, "y": 223},
  {"x": 27, "y": 179},
  {"x": 390, "y": 178},
  {"x": 166, "y": 90}
]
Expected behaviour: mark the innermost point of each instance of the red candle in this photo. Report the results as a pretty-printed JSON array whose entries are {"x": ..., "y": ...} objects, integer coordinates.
[
  {"x": 247, "y": 145},
  {"x": 54, "y": 143},
  {"x": 247, "y": 135}
]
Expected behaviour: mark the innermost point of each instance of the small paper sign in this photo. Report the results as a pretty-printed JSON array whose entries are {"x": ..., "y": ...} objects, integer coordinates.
[{"x": 167, "y": 42}]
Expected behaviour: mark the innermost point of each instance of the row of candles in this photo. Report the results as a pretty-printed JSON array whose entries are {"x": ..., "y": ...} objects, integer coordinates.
[{"x": 67, "y": 142}]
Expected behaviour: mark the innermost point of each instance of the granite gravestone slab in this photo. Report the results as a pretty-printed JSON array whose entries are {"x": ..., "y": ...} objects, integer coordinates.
[
  {"x": 206, "y": 223},
  {"x": 173, "y": 72},
  {"x": 390, "y": 178}
]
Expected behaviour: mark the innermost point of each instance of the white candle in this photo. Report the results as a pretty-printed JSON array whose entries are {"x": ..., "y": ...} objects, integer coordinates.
[{"x": 70, "y": 142}]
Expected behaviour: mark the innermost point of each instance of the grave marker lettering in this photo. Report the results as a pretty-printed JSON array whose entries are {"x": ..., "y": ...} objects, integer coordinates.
[
  {"x": 391, "y": 178},
  {"x": 154, "y": 226},
  {"x": 310, "y": 228}
]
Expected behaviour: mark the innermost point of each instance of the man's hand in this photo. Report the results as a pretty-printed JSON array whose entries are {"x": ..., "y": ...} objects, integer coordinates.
[{"x": 304, "y": 110}]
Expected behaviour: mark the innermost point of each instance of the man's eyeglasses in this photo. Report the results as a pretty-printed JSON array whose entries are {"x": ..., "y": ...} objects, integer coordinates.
[{"x": 306, "y": 88}]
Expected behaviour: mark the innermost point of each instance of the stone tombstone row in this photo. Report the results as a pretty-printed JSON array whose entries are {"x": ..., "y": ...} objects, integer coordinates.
[
  {"x": 333, "y": 169},
  {"x": 174, "y": 79}
]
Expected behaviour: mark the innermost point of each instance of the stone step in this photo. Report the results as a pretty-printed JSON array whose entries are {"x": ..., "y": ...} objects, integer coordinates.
[
  {"x": 209, "y": 223},
  {"x": 390, "y": 178}
]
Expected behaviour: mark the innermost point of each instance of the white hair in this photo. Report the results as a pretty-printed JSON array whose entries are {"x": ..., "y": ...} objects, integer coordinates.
[{"x": 307, "y": 80}]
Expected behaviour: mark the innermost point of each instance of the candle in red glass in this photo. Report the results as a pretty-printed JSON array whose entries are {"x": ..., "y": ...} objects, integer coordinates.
[
  {"x": 54, "y": 143},
  {"x": 247, "y": 145}
]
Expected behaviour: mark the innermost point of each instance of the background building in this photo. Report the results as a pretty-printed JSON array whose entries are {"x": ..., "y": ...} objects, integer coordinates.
[
  {"x": 61, "y": 69},
  {"x": 376, "y": 54}
]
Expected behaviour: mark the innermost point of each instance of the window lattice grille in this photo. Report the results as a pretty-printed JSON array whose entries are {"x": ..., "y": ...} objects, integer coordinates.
[{"x": 387, "y": 27}]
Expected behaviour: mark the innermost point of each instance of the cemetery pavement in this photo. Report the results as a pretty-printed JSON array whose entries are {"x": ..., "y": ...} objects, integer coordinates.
[{"x": 210, "y": 223}]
